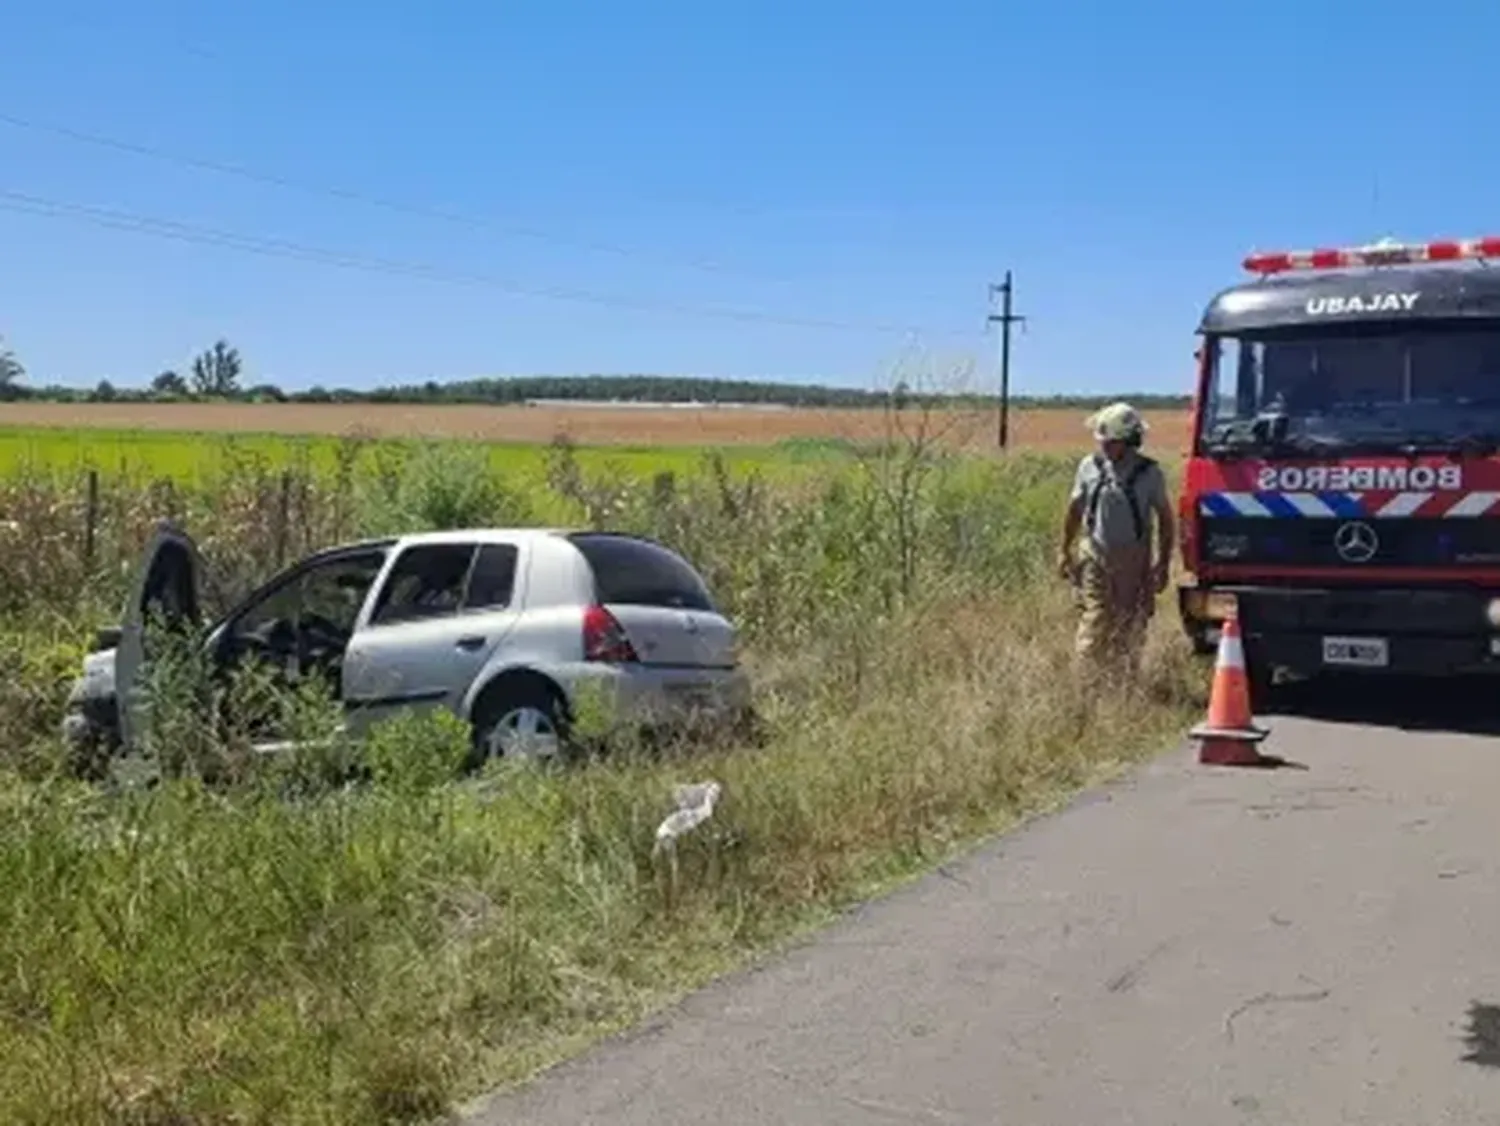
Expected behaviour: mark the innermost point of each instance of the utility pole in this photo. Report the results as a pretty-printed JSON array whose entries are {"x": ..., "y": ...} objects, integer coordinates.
[{"x": 1005, "y": 318}]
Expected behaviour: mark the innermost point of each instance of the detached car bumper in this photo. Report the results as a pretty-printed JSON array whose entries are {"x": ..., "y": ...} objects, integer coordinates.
[{"x": 1309, "y": 630}]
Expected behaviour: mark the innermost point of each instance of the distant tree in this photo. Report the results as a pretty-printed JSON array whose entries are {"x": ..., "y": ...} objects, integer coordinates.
[
  {"x": 901, "y": 395},
  {"x": 11, "y": 374},
  {"x": 266, "y": 393},
  {"x": 103, "y": 393},
  {"x": 217, "y": 371},
  {"x": 169, "y": 383}
]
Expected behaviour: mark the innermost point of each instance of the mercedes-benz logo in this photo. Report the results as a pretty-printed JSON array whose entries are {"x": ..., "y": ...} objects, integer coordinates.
[{"x": 1356, "y": 542}]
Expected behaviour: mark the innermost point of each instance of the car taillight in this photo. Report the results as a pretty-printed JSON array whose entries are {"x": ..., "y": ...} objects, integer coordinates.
[{"x": 604, "y": 638}]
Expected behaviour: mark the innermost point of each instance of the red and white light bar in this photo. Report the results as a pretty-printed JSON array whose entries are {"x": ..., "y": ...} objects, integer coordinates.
[{"x": 1380, "y": 254}]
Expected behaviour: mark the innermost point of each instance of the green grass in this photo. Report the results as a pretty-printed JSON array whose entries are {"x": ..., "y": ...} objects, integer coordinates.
[{"x": 251, "y": 942}]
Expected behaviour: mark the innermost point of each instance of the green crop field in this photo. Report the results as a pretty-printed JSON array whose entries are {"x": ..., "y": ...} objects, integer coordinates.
[{"x": 187, "y": 456}]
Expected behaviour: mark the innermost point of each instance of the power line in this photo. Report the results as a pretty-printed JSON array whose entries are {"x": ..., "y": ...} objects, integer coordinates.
[
  {"x": 242, "y": 172},
  {"x": 22, "y": 203}
]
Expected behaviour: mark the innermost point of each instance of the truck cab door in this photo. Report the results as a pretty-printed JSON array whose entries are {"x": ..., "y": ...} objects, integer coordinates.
[{"x": 163, "y": 595}]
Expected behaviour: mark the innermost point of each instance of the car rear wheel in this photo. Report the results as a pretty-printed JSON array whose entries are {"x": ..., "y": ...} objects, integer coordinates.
[{"x": 521, "y": 721}]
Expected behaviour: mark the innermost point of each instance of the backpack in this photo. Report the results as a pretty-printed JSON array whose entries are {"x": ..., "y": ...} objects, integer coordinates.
[{"x": 1142, "y": 464}]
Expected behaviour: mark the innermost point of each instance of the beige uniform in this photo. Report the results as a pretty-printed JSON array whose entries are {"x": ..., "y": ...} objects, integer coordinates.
[{"x": 1115, "y": 590}]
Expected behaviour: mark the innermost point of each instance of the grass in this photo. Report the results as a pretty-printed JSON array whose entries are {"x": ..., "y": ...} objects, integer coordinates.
[{"x": 270, "y": 945}]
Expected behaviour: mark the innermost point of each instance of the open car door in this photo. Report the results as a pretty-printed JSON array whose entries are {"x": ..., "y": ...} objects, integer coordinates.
[{"x": 165, "y": 593}]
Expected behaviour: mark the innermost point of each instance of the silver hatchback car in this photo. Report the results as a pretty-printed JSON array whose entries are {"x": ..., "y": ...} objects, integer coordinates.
[{"x": 507, "y": 628}]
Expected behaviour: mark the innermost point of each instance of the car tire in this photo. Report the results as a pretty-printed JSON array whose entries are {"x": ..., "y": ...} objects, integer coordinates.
[{"x": 523, "y": 720}]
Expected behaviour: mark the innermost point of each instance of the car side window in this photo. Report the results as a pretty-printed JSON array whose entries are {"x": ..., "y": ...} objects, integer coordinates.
[
  {"x": 336, "y": 591},
  {"x": 492, "y": 579},
  {"x": 276, "y": 606},
  {"x": 333, "y": 590},
  {"x": 631, "y": 572},
  {"x": 427, "y": 581}
]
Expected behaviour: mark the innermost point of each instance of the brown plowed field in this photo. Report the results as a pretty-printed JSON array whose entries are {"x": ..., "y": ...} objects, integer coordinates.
[{"x": 637, "y": 426}]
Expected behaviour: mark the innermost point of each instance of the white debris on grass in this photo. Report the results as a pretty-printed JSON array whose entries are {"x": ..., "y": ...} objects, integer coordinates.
[{"x": 695, "y": 805}]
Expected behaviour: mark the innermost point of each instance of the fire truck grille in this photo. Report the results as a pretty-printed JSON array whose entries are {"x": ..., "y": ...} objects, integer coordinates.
[
  {"x": 1431, "y": 612},
  {"x": 1458, "y": 543}
]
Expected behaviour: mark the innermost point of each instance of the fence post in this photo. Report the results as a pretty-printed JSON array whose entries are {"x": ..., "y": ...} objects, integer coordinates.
[
  {"x": 91, "y": 522},
  {"x": 304, "y": 526},
  {"x": 167, "y": 493},
  {"x": 283, "y": 516}
]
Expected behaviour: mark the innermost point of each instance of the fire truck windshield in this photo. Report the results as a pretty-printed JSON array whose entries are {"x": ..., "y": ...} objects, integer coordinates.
[{"x": 1428, "y": 387}]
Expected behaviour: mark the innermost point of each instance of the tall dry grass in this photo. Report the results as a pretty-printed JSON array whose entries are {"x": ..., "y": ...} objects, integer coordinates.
[{"x": 290, "y": 948}]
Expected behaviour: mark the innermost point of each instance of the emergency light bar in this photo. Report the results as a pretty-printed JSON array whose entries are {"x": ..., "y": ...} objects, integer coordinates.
[{"x": 1380, "y": 254}]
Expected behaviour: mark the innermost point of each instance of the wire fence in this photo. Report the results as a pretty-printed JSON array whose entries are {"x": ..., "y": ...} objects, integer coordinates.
[{"x": 68, "y": 540}]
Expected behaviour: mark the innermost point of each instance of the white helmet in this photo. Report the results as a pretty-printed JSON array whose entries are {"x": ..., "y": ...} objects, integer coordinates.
[{"x": 1118, "y": 422}]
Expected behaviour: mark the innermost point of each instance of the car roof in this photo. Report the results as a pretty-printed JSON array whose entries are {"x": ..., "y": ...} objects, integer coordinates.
[
  {"x": 369, "y": 544},
  {"x": 1299, "y": 298},
  {"x": 481, "y": 535},
  {"x": 484, "y": 535}
]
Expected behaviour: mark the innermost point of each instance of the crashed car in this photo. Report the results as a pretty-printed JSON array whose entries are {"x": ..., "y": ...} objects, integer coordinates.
[{"x": 506, "y": 628}]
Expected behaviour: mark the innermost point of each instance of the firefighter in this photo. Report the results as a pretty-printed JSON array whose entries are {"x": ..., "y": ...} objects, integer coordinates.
[{"x": 1116, "y": 493}]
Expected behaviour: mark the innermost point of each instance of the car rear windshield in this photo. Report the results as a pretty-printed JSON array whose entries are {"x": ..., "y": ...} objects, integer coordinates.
[{"x": 634, "y": 572}]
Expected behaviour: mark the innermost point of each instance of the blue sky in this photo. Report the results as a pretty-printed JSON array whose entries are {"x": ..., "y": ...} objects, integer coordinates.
[{"x": 874, "y": 165}]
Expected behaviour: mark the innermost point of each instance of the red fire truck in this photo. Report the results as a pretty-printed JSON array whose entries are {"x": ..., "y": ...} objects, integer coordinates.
[{"x": 1342, "y": 492}]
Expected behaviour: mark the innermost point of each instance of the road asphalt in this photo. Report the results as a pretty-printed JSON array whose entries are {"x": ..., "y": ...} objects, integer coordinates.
[{"x": 1198, "y": 945}]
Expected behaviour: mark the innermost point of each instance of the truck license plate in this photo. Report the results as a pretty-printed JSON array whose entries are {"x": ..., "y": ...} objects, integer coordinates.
[{"x": 1358, "y": 652}]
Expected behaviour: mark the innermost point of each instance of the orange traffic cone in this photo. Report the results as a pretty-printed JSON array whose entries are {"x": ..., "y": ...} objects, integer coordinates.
[{"x": 1228, "y": 736}]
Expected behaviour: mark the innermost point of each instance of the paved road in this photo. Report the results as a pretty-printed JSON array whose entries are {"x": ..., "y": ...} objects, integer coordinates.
[{"x": 1317, "y": 945}]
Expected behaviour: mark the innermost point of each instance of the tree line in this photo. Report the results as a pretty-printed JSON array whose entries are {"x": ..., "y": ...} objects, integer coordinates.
[{"x": 218, "y": 374}]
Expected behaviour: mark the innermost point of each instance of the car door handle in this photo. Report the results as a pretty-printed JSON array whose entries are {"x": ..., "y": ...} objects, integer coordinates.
[{"x": 469, "y": 644}]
